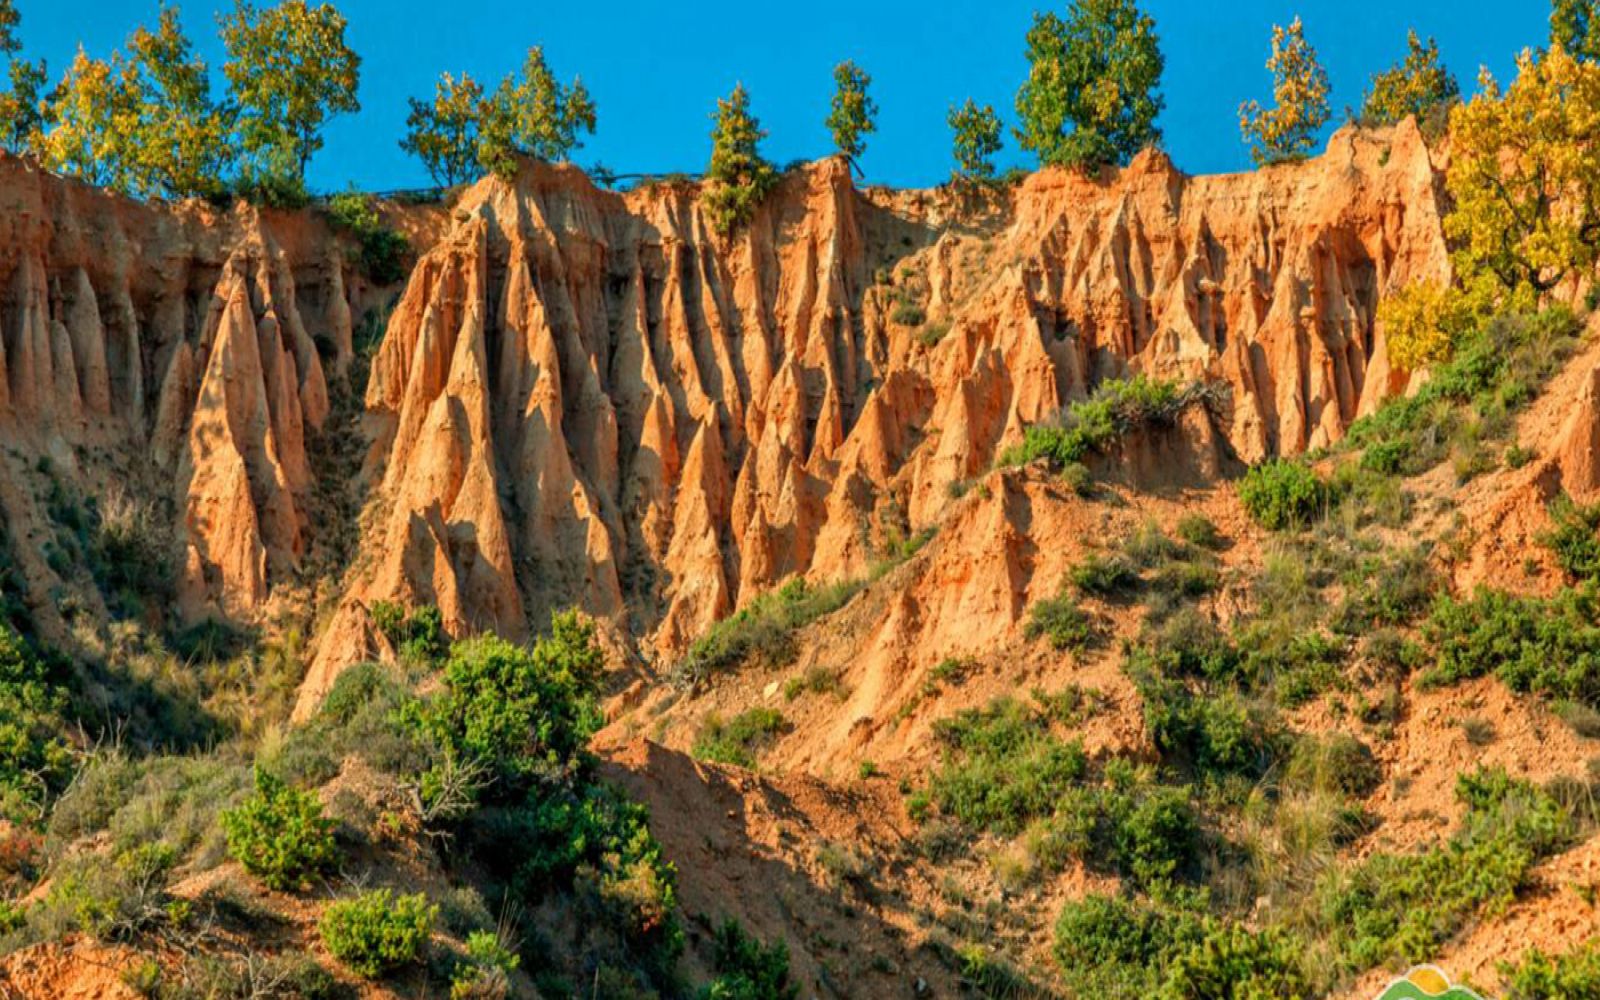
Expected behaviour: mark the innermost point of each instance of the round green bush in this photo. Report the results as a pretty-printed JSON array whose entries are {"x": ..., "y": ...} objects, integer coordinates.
[
  {"x": 279, "y": 834},
  {"x": 377, "y": 932}
]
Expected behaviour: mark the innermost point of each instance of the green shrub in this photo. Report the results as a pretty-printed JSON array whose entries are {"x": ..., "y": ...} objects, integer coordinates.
[
  {"x": 279, "y": 835},
  {"x": 1199, "y": 530},
  {"x": 383, "y": 249},
  {"x": 1574, "y": 975},
  {"x": 1059, "y": 619},
  {"x": 1002, "y": 767},
  {"x": 417, "y": 636},
  {"x": 1232, "y": 961},
  {"x": 1547, "y": 646},
  {"x": 1116, "y": 407},
  {"x": 1105, "y": 575},
  {"x": 35, "y": 762},
  {"x": 762, "y": 630},
  {"x": 377, "y": 932},
  {"x": 1111, "y": 947},
  {"x": 486, "y": 972},
  {"x": 1158, "y": 838},
  {"x": 1282, "y": 493},
  {"x": 747, "y": 969},
  {"x": 739, "y": 740},
  {"x": 1399, "y": 908},
  {"x": 519, "y": 712},
  {"x": 1574, "y": 538}
]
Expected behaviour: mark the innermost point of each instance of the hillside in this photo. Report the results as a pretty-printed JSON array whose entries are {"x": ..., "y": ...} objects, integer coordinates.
[{"x": 1035, "y": 589}]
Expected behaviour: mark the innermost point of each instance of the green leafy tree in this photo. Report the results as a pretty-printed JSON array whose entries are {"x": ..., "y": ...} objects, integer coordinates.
[
  {"x": 1288, "y": 131},
  {"x": 1420, "y": 86},
  {"x": 739, "y": 176},
  {"x": 289, "y": 70},
  {"x": 443, "y": 133},
  {"x": 93, "y": 114},
  {"x": 975, "y": 138},
  {"x": 1091, "y": 97},
  {"x": 184, "y": 141},
  {"x": 533, "y": 115},
  {"x": 21, "y": 123},
  {"x": 1575, "y": 27},
  {"x": 854, "y": 113}
]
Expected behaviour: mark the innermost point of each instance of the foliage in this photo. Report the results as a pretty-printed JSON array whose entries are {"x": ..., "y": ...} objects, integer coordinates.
[
  {"x": 519, "y": 712},
  {"x": 763, "y": 629},
  {"x": 739, "y": 740},
  {"x": 486, "y": 972},
  {"x": 974, "y": 139},
  {"x": 1105, "y": 575},
  {"x": 1002, "y": 767},
  {"x": 1116, "y": 407},
  {"x": 34, "y": 760},
  {"x": 747, "y": 969},
  {"x": 739, "y": 176},
  {"x": 279, "y": 834},
  {"x": 92, "y": 111},
  {"x": 1575, "y": 27},
  {"x": 1091, "y": 98},
  {"x": 1418, "y": 87},
  {"x": 1494, "y": 371},
  {"x": 376, "y": 932},
  {"x": 1287, "y": 131},
  {"x": 853, "y": 113},
  {"x": 418, "y": 635},
  {"x": 1059, "y": 619},
  {"x": 1525, "y": 178},
  {"x": 1282, "y": 493},
  {"x": 1543, "y": 645},
  {"x": 1398, "y": 908},
  {"x": 533, "y": 115},
  {"x": 1574, "y": 538},
  {"x": 289, "y": 70},
  {"x": 1574, "y": 975},
  {"x": 1111, "y": 947},
  {"x": 1423, "y": 321},
  {"x": 383, "y": 249},
  {"x": 20, "y": 120},
  {"x": 1232, "y": 961},
  {"x": 443, "y": 133}
]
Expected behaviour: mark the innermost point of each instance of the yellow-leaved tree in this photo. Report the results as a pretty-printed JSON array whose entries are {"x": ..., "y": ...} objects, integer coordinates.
[
  {"x": 1524, "y": 177},
  {"x": 1420, "y": 86},
  {"x": 1288, "y": 130}
]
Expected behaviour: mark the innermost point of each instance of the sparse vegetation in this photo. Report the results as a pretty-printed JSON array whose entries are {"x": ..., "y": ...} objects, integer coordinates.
[
  {"x": 739, "y": 740},
  {"x": 763, "y": 630},
  {"x": 1282, "y": 494},
  {"x": 1093, "y": 425}
]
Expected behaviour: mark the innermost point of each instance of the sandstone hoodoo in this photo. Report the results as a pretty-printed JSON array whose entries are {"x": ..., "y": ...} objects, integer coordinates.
[
  {"x": 1100, "y": 581},
  {"x": 592, "y": 398}
]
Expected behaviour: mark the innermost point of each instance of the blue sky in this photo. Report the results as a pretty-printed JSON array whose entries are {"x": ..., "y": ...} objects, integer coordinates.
[{"x": 655, "y": 69}]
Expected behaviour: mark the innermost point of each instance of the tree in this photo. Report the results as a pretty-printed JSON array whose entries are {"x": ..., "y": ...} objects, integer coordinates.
[
  {"x": 534, "y": 116},
  {"x": 94, "y": 114},
  {"x": 443, "y": 134},
  {"x": 1525, "y": 177},
  {"x": 1300, "y": 92},
  {"x": 143, "y": 123},
  {"x": 739, "y": 176},
  {"x": 20, "y": 120},
  {"x": 1091, "y": 96},
  {"x": 1418, "y": 87},
  {"x": 289, "y": 70},
  {"x": 854, "y": 113},
  {"x": 184, "y": 141},
  {"x": 1575, "y": 27},
  {"x": 975, "y": 139}
]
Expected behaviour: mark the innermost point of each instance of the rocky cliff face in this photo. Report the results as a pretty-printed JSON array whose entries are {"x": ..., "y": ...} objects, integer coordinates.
[
  {"x": 183, "y": 352},
  {"x": 588, "y": 397}
]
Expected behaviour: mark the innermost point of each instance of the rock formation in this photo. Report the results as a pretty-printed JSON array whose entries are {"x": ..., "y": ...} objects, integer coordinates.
[{"x": 592, "y": 398}]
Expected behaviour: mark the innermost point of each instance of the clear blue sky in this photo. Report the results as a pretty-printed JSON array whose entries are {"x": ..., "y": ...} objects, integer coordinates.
[{"x": 656, "y": 68}]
